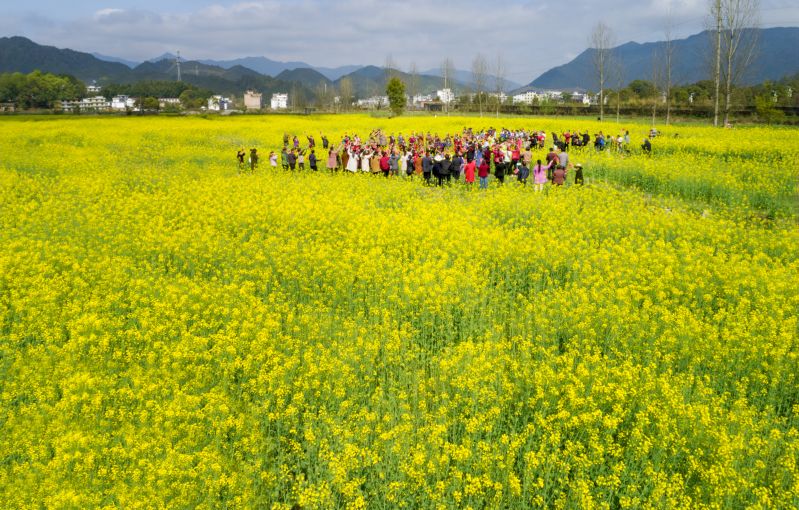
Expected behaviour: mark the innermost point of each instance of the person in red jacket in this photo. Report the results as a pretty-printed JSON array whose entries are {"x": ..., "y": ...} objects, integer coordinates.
[
  {"x": 553, "y": 160},
  {"x": 385, "y": 165},
  {"x": 468, "y": 172},
  {"x": 482, "y": 172}
]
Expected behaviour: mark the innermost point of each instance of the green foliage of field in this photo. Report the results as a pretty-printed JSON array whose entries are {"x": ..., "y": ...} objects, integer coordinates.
[{"x": 176, "y": 334}]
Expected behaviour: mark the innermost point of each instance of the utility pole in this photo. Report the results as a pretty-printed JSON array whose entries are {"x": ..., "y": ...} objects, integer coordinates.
[{"x": 717, "y": 71}]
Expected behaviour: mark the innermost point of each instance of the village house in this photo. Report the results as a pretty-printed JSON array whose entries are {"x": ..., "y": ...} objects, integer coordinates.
[
  {"x": 253, "y": 100},
  {"x": 445, "y": 95},
  {"x": 122, "y": 102},
  {"x": 89, "y": 104},
  {"x": 164, "y": 102},
  {"x": 528, "y": 97},
  {"x": 279, "y": 101},
  {"x": 218, "y": 103}
]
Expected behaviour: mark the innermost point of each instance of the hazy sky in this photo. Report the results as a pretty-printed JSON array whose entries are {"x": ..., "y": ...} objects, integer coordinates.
[{"x": 532, "y": 36}]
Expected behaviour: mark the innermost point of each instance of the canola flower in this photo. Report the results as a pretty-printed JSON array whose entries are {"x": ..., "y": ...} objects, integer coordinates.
[{"x": 175, "y": 335}]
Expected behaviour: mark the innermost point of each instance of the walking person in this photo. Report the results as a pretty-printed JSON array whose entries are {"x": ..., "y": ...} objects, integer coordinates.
[
  {"x": 469, "y": 171},
  {"x": 253, "y": 159},
  {"x": 482, "y": 172},
  {"x": 312, "y": 159},
  {"x": 578, "y": 174},
  {"x": 522, "y": 173},
  {"x": 332, "y": 160},
  {"x": 457, "y": 167},
  {"x": 427, "y": 167},
  {"x": 352, "y": 161},
  {"x": 552, "y": 162},
  {"x": 365, "y": 162},
  {"x": 559, "y": 176},
  {"x": 393, "y": 163},
  {"x": 499, "y": 165},
  {"x": 385, "y": 164},
  {"x": 444, "y": 168},
  {"x": 345, "y": 157},
  {"x": 374, "y": 162},
  {"x": 403, "y": 164},
  {"x": 540, "y": 175}
]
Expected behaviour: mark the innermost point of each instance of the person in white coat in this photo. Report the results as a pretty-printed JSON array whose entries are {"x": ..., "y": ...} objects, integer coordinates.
[
  {"x": 352, "y": 164},
  {"x": 365, "y": 161}
]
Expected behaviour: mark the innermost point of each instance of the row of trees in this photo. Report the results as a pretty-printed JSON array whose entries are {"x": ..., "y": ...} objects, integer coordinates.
[
  {"x": 39, "y": 90},
  {"x": 45, "y": 90},
  {"x": 734, "y": 50},
  {"x": 191, "y": 96}
]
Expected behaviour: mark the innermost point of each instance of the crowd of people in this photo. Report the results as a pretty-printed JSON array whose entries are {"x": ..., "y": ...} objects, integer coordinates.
[{"x": 468, "y": 155}]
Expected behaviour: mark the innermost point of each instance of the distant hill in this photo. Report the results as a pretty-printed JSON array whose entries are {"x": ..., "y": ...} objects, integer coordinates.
[
  {"x": 778, "y": 56},
  {"x": 466, "y": 79},
  {"x": 308, "y": 77},
  {"x": 118, "y": 60},
  {"x": 18, "y": 54},
  {"x": 273, "y": 67},
  {"x": 371, "y": 81},
  {"x": 261, "y": 65},
  {"x": 234, "y": 81},
  {"x": 165, "y": 56}
]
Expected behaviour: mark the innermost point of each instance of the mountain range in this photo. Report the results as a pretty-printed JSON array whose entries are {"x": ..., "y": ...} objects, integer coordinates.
[
  {"x": 271, "y": 67},
  {"x": 778, "y": 56}
]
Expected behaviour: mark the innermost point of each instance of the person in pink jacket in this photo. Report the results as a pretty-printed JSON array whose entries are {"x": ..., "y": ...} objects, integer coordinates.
[
  {"x": 540, "y": 175},
  {"x": 332, "y": 160}
]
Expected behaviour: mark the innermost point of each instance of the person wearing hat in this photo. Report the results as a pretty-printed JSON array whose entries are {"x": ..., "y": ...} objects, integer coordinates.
[{"x": 578, "y": 174}]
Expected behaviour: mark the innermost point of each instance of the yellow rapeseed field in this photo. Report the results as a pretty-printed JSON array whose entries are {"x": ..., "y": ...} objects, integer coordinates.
[{"x": 174, "y": 334}]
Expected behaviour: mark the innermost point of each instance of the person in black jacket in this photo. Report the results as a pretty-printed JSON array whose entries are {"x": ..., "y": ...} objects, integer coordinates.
[
  {"x": 253, "y": 159},
  {"x": 445, "y": 170},
  {"x": 522, "y": 173},
  {"x": 312, "y": 160},
  {"x": 427, "y": 167},
  {"x": 455, "y": 169}
]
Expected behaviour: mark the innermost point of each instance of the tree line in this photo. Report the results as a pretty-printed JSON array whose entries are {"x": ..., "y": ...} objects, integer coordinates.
[
  {"x": 45, "y": 90},
  {"x": 39, "y": 90},
  {"x": 732, "y": 53}
]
